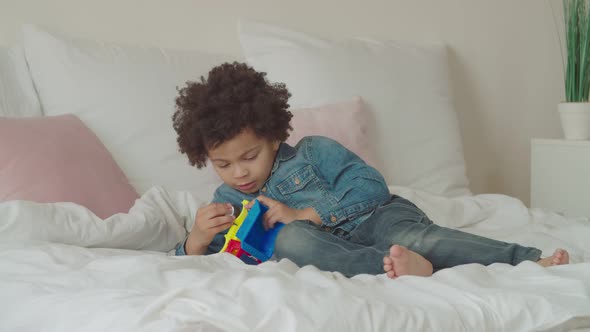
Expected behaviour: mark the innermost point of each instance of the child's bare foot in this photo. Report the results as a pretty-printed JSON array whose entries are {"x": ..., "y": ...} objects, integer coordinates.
[
  {"x": 402, "y": 261},
  {"x": 559, "y": 257}
]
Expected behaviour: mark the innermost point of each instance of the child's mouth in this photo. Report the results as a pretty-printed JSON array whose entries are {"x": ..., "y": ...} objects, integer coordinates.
[{"x": 247, "y": 186}]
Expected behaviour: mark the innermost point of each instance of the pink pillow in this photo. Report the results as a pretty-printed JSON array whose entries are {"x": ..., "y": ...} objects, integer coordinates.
[
  {"x": 345, "y": 122},
  {"x": 58, "y": 159}
]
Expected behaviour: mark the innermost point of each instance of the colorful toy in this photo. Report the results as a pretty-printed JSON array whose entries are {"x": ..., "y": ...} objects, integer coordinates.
[{"x": 248, "y": 236}]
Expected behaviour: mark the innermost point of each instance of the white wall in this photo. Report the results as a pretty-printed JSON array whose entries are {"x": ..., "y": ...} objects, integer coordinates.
[{"x": 505, "y": 58}]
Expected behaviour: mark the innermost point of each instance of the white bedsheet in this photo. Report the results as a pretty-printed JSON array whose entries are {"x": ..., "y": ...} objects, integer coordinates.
[{"x": 63, "y": 269}]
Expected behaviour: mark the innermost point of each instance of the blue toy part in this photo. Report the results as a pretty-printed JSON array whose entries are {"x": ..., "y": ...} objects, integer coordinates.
[{"x": 257, "y": 241}]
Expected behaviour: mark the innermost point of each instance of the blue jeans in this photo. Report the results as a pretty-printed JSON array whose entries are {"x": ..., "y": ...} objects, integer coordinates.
[{"x": 397, "y": 222}]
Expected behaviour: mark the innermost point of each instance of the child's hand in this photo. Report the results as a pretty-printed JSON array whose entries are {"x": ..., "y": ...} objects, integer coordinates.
[
  {"x": 278, "y": 212},
  {"x": 210, "y": 220}
]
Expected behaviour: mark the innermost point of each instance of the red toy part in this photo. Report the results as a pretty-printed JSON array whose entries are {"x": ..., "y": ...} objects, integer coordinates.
[{"x": 234, "y": 247}]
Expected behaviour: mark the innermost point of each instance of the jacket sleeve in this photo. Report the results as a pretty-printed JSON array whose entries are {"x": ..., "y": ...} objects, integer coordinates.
[{"x": 358, "y": 187}]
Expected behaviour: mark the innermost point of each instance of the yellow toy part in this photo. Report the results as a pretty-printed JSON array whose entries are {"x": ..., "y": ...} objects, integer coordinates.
[{"x": 231, "y": 234}]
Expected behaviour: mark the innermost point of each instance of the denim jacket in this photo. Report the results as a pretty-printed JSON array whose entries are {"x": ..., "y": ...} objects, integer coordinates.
[{"x": 319, "y": 173}]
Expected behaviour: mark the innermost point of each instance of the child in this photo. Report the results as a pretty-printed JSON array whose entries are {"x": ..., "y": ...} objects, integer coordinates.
[{"x": 337, "y": 210}]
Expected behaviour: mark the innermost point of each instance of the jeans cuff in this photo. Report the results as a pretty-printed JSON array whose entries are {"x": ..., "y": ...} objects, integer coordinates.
[{"x": 527, "y": 254}]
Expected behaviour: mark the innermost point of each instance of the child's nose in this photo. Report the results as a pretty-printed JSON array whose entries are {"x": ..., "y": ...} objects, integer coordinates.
[{"x": 240, "y": 172}]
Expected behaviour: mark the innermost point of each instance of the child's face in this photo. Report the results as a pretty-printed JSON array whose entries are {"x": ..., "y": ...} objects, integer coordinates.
[{"x": 245, "y": 161}]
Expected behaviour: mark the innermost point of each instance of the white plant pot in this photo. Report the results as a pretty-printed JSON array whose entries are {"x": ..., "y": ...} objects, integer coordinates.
[{"x": 575, "y": 120}]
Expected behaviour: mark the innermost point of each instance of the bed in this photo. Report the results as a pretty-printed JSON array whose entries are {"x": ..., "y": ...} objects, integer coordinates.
[{"x": 94, "y": 196}]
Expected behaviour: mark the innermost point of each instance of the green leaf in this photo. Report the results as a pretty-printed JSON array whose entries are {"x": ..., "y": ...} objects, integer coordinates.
[{"x": 577, "y": 36}]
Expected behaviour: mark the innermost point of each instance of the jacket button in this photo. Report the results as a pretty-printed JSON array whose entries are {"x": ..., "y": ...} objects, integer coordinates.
[
  {"x": 333, "y": 218},
  {"x": 297, "y": 181}
]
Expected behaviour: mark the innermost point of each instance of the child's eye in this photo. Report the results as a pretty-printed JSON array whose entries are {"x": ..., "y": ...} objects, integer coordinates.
[
  {"x": 222, "y": 166},
  {"x": 251, "y": 158}
]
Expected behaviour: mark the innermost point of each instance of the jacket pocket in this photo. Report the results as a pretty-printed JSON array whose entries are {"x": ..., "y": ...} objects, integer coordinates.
[{"x": 297, "y": 180}]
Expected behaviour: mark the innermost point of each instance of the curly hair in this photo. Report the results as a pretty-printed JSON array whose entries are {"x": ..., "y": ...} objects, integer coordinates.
[{"x": 234, "y": 97}]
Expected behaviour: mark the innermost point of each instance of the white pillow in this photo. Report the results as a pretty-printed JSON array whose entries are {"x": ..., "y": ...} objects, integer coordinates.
[
  {"x": 126, "y": 95},
  {"x": 17, "y": 93},
  {"x": 405, "y": 86}
]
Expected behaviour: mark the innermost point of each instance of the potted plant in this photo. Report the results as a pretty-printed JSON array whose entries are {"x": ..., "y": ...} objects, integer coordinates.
[{"x": 575, "y": 111}]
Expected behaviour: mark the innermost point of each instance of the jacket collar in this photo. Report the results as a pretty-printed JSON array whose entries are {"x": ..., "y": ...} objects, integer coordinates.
[{"x": 285, "y": 152}]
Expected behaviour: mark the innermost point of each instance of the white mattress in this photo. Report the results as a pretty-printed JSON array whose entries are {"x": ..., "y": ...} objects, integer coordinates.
[{"x": 53, "y": 276}]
